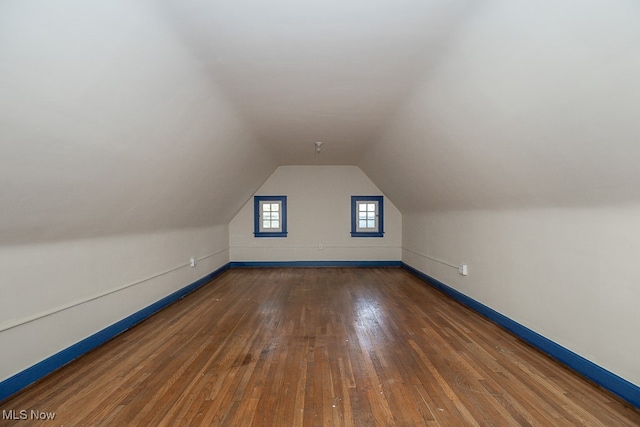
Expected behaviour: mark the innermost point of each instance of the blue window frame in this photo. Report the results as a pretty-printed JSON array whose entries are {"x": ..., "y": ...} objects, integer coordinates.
[
  {"x": 367, "y": 216},
  {"x": 270, "y": 216}
]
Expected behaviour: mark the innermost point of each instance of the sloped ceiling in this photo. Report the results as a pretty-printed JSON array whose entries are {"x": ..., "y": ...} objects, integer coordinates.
[
  {"x": 109, "y": 125},
  {"x": 305, "y": 71},
  {"x": 120, "y": 116},
  {"x": 532, "y": 104}
]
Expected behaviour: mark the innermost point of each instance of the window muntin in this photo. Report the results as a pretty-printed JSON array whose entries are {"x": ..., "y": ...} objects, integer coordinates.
[
  {"x": 270, "y": 216},
  {"x": 367, "y": 216}
]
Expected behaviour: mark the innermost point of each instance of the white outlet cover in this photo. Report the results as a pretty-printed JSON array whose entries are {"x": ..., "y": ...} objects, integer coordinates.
[{"x": 463, "y": 269}]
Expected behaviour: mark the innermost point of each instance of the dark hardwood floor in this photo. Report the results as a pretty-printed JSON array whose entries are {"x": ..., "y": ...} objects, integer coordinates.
[{"x": 318, "y": 346}]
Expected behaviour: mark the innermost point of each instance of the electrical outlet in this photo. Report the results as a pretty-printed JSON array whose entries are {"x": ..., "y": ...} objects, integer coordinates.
[
  {"x": 320, "y": 247},
  {"x": 193, "y": 262},
  {"x": 463, "y": 269}
]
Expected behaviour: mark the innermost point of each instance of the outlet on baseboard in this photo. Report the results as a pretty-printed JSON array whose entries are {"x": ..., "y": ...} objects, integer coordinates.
[{"x": 463, "y": 269}]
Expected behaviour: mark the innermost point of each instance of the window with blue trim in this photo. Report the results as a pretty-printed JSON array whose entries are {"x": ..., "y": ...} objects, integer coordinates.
[
  {"x": 270, "y": 216},
  {"x": 367, "y": 216}
]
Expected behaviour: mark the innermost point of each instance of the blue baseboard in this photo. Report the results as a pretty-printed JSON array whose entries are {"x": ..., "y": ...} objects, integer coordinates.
[
  {"x": 19, "y": 381},
  {"x": 597, "y": 374},
  {"x": 602, "y": 377},
  {"x": 32, "y": 374},
  {"x": 272, "y": 264}
]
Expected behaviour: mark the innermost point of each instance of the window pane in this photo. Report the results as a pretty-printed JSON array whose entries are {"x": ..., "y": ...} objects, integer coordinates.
[
  {"x": 362, "y": 215},
  {"x": 275, "y": 224},
  {"x": 266, "y": 207},
  {"x": 371, "y": 207},
  {"x": 370, "y": 224},
  {"x": 362, "y": 224},
  {"x": 275, "y": 215},
  {"x": 275, "y": 207},
  {"x": 266, "y": 224},
  {"x": 371, "y": 215},
  {"x": 266, "y": 215},
  {"x": 362, "y": 207}
]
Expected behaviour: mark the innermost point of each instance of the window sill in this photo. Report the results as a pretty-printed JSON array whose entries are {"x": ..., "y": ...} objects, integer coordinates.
[
  {"x": 270, "y": 234},
  {"x": 361, "y": 234}
]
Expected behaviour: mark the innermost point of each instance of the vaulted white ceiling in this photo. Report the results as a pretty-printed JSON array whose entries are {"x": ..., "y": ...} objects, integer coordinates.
[
  {"x": 305, "y": 71},
  {"x": 120, "y": 116}
]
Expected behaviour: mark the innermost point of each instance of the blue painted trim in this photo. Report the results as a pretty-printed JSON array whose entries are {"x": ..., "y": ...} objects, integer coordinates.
[
  {"x": 271, "y": 264},
  {"x": 602, "y": 377},
  {"x": 354, "y": 216},
  {"x": 606, "y": 379},
  {"x": 263, "y": 234},
  {"x": 32, "y": 374},
  {"x": 256, "y": 216}
]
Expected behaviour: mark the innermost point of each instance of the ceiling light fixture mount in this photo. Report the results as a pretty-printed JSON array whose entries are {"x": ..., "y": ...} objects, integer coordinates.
[{"x": 318, "y": 145}]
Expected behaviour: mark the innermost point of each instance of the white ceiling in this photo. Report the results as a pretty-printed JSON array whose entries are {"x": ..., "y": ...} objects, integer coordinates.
[
  {"x": 331, "y": 71},
  {"x": 534, "y": 104},
  {"x": 120, "y": 116}
]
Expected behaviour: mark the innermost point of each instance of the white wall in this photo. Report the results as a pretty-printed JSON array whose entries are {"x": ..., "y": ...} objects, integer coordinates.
[
  {"x": 41, "y": 278},
  {"x": 569, "y": 274},
  {"x": 319, "y": 212}
]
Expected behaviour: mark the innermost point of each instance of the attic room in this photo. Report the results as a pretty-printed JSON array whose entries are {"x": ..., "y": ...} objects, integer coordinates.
[{"x": 445, "y": 191}]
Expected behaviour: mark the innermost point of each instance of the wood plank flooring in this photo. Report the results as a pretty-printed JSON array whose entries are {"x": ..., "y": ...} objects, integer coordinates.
[{"x": 318, "y": 347}]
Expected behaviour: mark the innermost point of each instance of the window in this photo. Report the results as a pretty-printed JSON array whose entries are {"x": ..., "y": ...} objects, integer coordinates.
[
  {"x": 270, "y": 216},
  {"x": 367, "y": 216}
]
